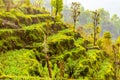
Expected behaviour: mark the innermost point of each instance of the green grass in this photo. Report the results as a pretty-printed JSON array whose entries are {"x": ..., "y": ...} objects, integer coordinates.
[
  {"x": 58, "y": 37},
  {"x": 18, "y": 62}
]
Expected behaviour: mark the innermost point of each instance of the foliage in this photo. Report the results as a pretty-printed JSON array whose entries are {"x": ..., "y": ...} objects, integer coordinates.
[
  {"x": 118, "y": 41},
  {"x": 39, "y": 47},
  {"x": 106, "y": 44},
  {"x": 107, "y": 23},
  {"x": 27, "y": 2},
  {"x": 107, "y": 35},
  {"x": 57, "y": 6}
]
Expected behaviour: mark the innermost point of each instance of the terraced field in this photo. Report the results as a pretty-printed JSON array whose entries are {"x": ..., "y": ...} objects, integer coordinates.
[{"x": 28, "y": 35}]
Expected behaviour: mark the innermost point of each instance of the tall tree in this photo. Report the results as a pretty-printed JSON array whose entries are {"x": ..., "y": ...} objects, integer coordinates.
[
  {"x": 75, "y": 7},
  {"x": 95, "y": 22},
  {"x": 57, "y": 6}
]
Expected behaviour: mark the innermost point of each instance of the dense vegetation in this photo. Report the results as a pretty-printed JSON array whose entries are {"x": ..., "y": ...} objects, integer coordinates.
[{"x": 38, "y": 45}]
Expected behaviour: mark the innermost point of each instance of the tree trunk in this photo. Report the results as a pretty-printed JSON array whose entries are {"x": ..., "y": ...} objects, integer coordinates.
[
  {"x": 95, "y": 25},
  {"x": 94, "y": 35},
  {"x": 48, "y": 66},
  {"x": 74, "y": 24}
]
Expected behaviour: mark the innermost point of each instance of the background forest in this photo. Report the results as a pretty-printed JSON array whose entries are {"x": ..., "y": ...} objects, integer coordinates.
[{"x": 48, "y": 40}]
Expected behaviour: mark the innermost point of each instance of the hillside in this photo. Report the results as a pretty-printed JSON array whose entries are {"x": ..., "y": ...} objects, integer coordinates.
[{"x": 37, "y": 46}]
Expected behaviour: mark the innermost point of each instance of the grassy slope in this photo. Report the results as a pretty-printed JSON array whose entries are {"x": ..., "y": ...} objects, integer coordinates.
[{"x": 21, "y": 55}]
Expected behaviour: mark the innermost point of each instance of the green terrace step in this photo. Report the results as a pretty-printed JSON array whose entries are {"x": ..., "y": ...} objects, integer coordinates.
[
  {"x": 40, "y": 27},
  {"x": 33, "y": 19},
  {"x": 26, "y": 36},
  {"x": 32, "y": 10},
  {"x": 21, "y": 38},
  {"x": 17, "y": 19},
  {"x": 74, "y": 53},
  {"x": 36, "y": 29},
  {"x": 60, "y": 42}
]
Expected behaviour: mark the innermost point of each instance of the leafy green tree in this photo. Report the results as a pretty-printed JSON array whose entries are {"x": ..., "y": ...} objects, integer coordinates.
[
  {"x": 95, "y": 22},
  {"x": 107, "y": 35},
  {"x": 75, "y": 11},
  {"x": 57, "y": 6},
  {"x": 107, "y": 43}
]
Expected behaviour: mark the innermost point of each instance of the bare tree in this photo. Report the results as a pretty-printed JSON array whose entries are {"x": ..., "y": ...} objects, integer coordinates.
[
  {"x": 75, "y": 12},
  {"x": 95, "y": 22}
]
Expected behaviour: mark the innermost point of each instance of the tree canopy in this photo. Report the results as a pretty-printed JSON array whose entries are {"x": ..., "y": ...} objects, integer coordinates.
[{"x": 57, "y": 6}]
